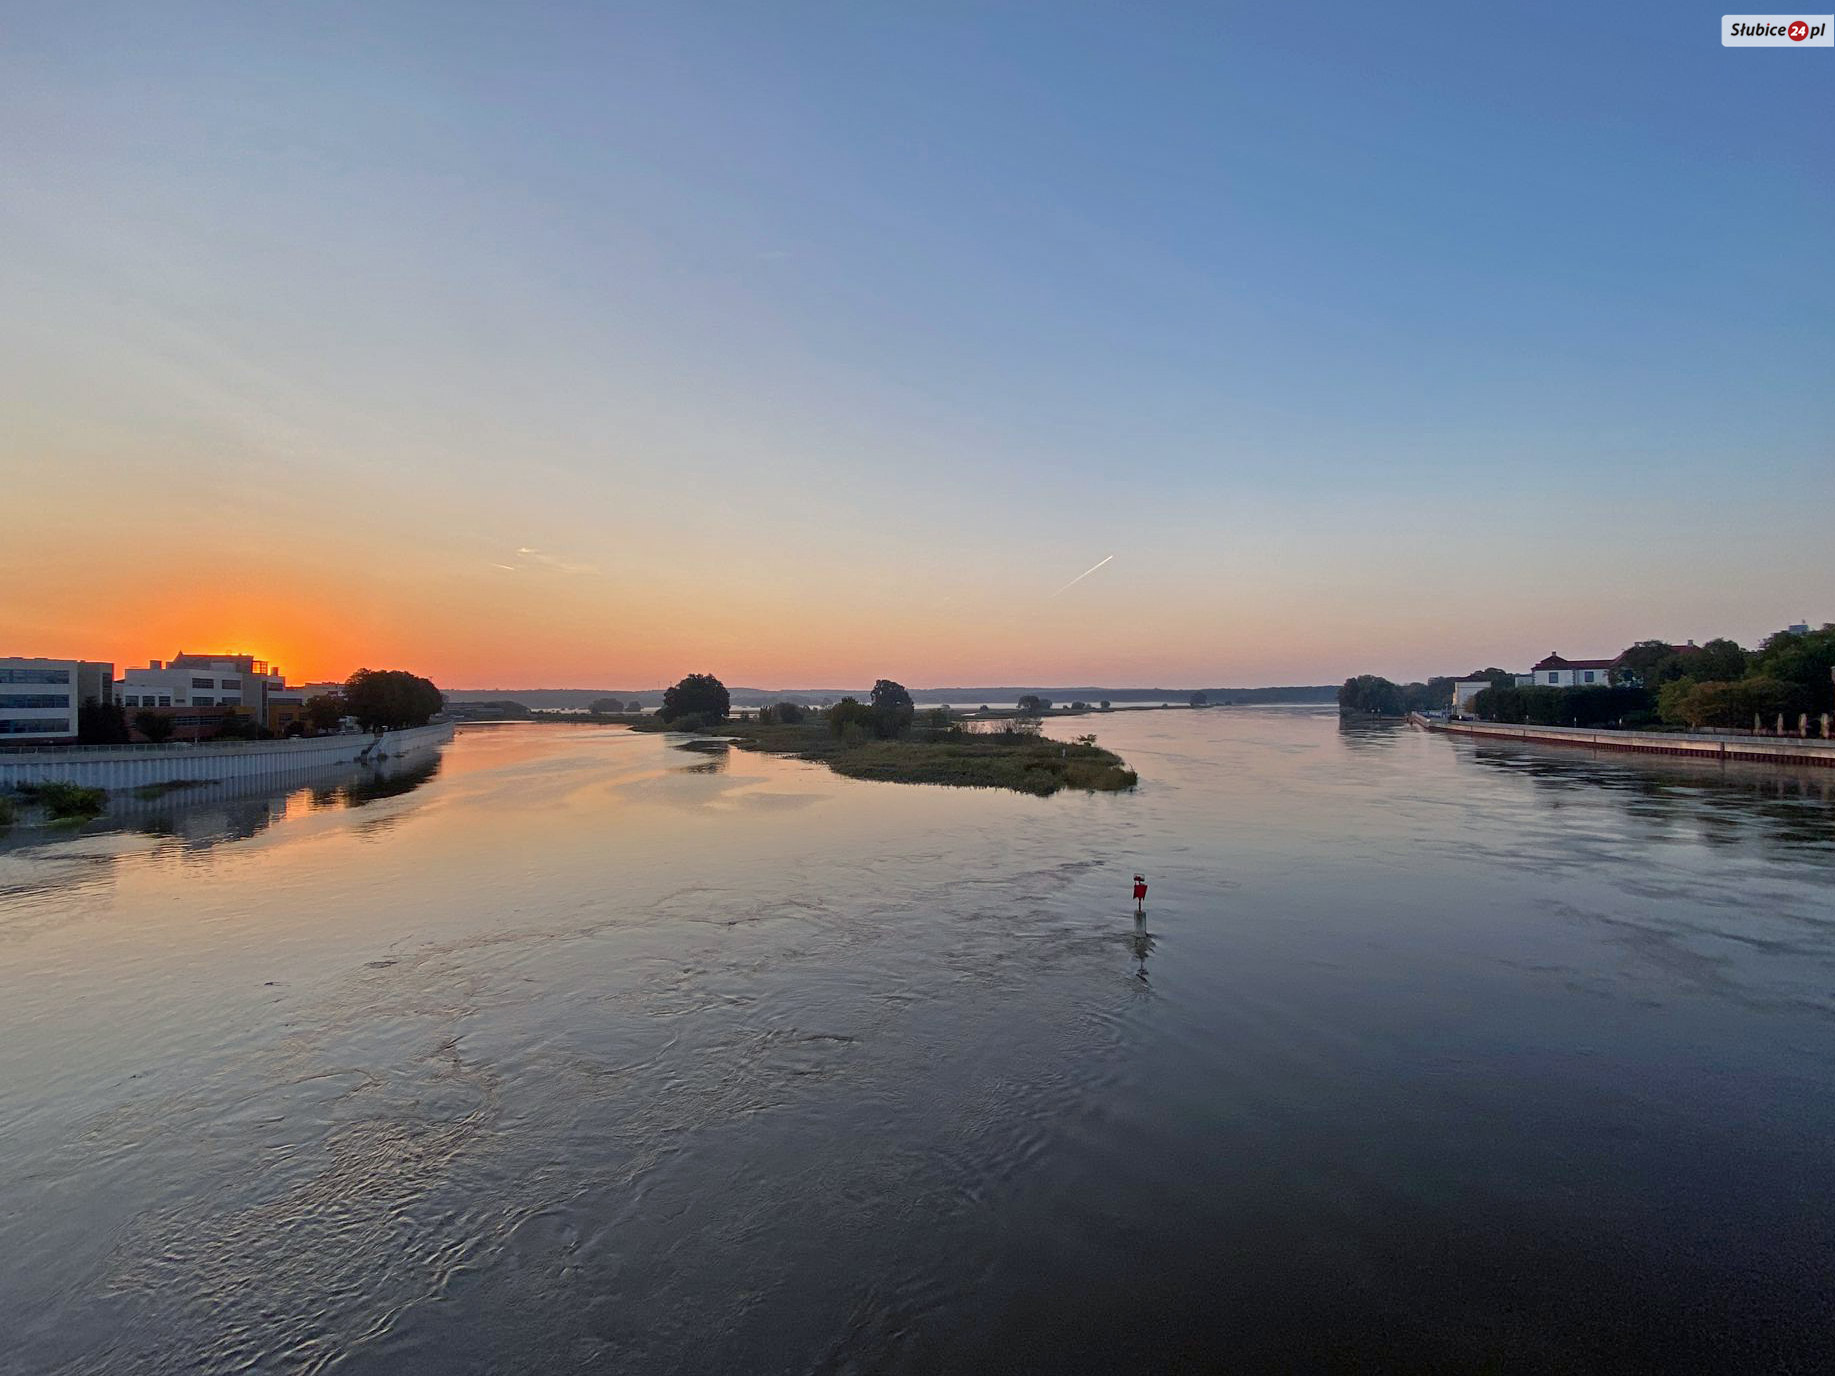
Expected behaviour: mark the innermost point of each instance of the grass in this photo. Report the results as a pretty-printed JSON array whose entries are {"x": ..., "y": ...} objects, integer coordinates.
[
  {"x": 1025, "y": 764},
  {"x": 67, "y": 802}
]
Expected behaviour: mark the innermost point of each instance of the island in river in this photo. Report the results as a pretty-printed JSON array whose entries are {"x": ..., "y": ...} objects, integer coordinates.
[{"x": 995, "y": 759}]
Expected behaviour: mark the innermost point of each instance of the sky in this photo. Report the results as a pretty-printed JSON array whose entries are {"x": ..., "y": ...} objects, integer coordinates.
[{"x": 810, "y": 343}]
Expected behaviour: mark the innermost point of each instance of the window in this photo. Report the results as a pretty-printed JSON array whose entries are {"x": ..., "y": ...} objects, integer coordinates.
[
  {"x": 229, "y": 683},
  {"x": 25, "y": 726},
  {"x": 203, "y": 683},
  {"x": 1554, "y": 676},
  {"x": 34, "y": 676},
  {"x": 165, "y": 699},
  {"x": 202, "y": 700},
  {"x": 1588, "y": 676},
  {"x": 35, "y": 700}
]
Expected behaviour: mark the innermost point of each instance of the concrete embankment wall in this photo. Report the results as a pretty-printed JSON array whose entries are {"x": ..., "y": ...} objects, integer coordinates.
[
  {"x": 1752, "y": 749},
  {"x": 134, "y": 766}
]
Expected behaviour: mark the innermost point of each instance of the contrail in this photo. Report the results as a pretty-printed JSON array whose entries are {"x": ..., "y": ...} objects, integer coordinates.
[{"x": 1080, "y": 577}]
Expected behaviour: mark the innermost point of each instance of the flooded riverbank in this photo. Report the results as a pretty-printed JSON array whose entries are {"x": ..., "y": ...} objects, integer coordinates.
[{"x": 585, "y": 1053}]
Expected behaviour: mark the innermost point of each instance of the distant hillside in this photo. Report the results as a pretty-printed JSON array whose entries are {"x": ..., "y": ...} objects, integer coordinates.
[{"x": 955, "y": 696}]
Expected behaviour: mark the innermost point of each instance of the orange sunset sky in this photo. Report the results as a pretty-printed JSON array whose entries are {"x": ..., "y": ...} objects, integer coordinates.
[{"x": 528, "y": 353}]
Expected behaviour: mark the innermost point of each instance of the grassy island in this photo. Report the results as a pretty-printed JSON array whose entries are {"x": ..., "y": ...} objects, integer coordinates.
[{"x": 924, "y": 754}]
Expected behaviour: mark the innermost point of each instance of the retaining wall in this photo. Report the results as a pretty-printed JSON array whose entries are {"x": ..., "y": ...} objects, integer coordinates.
[
  {"x": 1752, "y": 749},
  {"x": 132, "y": 766}
]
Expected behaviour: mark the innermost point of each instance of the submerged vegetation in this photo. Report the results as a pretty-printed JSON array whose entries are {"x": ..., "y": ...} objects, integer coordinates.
[
  {"x": 66, "y": 802},
  {"x": 888, "y": 740},
  {"x": 148, "y": 792}
]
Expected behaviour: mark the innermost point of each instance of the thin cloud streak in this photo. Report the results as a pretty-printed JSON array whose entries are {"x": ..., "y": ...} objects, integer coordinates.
[{"x": 1080, "y": 577}]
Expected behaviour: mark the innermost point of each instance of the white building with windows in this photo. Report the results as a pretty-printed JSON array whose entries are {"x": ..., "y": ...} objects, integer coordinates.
[
  {"x": 41, "y": 699},
  {"x": 1556, "y": 672},
  {"x": 239, "y": 681}
]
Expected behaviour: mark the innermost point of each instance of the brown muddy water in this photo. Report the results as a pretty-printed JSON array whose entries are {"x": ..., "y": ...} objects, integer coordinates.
[{"x": 577, "y": 1052}]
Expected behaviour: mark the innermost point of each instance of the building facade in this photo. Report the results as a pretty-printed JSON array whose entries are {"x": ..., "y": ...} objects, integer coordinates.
[
  {"x": 1468, "y": 688},
  {"x": 1556, "y": 672},
  {"x": 41, "y": 700},
  {"x": 200, "y": 691}
]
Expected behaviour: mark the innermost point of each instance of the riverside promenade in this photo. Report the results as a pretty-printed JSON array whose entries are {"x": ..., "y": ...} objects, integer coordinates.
[
  {"x": 1748, "y": 749},
  {"x": 136, "y": 766}
]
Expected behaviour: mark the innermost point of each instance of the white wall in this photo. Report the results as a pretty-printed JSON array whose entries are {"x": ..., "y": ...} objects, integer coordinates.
[{"x": 132, "y": 766}]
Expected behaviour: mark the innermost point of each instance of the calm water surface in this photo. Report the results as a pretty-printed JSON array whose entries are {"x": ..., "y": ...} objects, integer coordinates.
[{"x": 578, "y": 1052}]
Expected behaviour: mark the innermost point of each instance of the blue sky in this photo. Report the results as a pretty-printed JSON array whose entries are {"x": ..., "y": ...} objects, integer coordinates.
[{"x": 814, "y": 338}]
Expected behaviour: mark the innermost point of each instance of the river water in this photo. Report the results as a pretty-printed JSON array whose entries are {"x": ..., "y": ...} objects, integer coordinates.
[{"x": 575, "y": 1051}]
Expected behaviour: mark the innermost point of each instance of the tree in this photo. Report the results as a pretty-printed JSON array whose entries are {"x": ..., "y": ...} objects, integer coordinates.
[
  {"x": 702, "y": 694},
  {"x": 324, "y": 711},
  {"x": 236, "y": 727},
  {"x": 1805, "y": 659},
  {"x": 1032, "y": 705},
  {"x": 1200, "y": 699},
  {"x": 155, "y": 726},
  {"x": 783, "y": 713},
  {"x": 101, "y": 723},
  {"x": 606, "y": 707},
  {"x": 1497, "y": 678},
  {"x": 1648, "y": 664},
  {"x": 892, "y": 709},
  {"x": 1369, "y": 695},
  {"x": 1720, "y": 660},
  {"x": 1105, "y": 704},
  {"x": 850, "y": 719},
  {"x": 1735, "y": 703},
  {"x": 390, "y": 699},
  {"x": 633, "y": 706}
]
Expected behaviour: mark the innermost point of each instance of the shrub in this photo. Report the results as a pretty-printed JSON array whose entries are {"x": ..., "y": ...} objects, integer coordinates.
[
  {"x": 1543, "y": 706},
  {"x": 67, "y": 801},
  {"x": 8, "y": 813}
]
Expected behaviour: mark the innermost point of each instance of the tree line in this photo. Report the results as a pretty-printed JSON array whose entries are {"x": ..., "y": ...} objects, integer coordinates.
[{"x": 1653, "y": 683}]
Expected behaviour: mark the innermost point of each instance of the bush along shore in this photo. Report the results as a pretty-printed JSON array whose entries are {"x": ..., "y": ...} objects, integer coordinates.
[{"x": 886, "y": 739}]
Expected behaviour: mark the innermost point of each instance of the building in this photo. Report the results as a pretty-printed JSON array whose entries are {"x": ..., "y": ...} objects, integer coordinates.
[
  {"x": 199, "y": 691},
  {"x": 1556, "y": 672},
  {"x": 1465, "y": 689},
  {"x": 41, "y": 700}
]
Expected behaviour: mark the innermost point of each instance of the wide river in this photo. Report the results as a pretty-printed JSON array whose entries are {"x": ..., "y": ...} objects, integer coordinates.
[{"x": 577, "y": 1052}]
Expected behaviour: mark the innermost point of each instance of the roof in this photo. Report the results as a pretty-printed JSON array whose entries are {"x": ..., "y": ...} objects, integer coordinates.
[{"x": 1554, "y": 661}]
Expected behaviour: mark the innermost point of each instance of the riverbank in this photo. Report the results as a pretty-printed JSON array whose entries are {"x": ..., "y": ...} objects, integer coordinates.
[
  {"x": 117, "y": 767},
  {"x": 1745, "y": 749},
  {"x": 1025, "y": 764}
]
